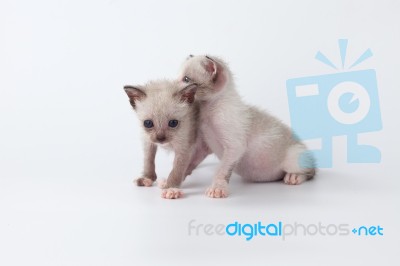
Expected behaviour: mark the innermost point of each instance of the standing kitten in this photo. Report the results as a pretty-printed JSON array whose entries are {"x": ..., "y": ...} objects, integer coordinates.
[
  {"x": 247, "y": 140},
  {"x": 169, "y": 117}
]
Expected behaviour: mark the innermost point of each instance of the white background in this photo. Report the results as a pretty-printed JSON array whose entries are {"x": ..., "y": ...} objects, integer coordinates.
[{"x": 70, "y": 145}]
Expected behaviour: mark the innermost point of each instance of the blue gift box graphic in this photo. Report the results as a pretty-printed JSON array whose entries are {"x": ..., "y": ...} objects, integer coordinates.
[{"x": 344, "y": 103}]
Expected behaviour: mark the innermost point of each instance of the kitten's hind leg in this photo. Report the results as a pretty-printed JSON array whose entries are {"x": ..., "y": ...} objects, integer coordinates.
[
  {"x": 294, "y": 179},
  {"x": 299, "y": 165}
]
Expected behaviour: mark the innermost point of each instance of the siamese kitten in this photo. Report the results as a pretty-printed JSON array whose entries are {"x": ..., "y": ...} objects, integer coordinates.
[
  {"x": 168, "y": 115},
  {"x": 248, "y": 141}
]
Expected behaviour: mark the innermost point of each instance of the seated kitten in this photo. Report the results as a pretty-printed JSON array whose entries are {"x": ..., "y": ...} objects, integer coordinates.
[
  {"x": 248, "y": 141},
  {"x": 169, "y": 118}
]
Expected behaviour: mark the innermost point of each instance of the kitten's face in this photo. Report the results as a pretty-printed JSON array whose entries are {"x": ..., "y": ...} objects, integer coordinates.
[
  {"x": 162, "y": 108},
  {"x": 206, "y": 72}
]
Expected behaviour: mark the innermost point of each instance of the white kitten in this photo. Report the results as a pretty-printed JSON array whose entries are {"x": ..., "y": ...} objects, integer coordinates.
[
  {"x": 247, "y": 140},
  {"x": 169, "y": 118}
]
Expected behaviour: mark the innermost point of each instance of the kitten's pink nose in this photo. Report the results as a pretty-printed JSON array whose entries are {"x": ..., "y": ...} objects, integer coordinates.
[{"x": 161, "y": 138}]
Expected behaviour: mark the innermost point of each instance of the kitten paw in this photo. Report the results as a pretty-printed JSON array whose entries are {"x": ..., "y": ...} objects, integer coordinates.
[
  {"x": 219, "y": 190},
  {"x": 144, "y": 182},
  {"x": 162, "y": 183},
  {"x": 294, "y": 179},
  {"x": 171, "y": 193}
]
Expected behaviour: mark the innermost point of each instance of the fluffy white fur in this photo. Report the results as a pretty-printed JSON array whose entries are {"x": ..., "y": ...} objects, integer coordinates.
[
  {"x": 247, "y": 140},
  {"x": 160, "y": 102}
]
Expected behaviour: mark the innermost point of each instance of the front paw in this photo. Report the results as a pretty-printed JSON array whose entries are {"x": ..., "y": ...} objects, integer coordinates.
[
  {"x": 144, "y": 182},
  {"x": 218, "y": 190},
  {"x": 171, "y": 193}
]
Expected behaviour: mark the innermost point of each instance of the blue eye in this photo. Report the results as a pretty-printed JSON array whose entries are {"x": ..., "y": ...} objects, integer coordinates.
[
  {"x": 173, "y": 123},
  {"x": 148, "y": 123}
]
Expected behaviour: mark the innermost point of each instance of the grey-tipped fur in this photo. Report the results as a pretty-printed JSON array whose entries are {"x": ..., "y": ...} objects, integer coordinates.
[{"x": 162, "y": 101}]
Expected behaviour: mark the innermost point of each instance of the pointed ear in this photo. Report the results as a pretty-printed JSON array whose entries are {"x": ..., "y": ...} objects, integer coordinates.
[
  {"x": 211, "y": 67},
  {"x": 134, "y": 94},
  {"x": 187, "y": 94}
]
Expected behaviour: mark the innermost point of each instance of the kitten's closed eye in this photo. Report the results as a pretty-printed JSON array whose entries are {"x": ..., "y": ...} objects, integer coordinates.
[
  {"x": 148, "y": 123},
  {"x": 186, "y": 79},
  {"x": 173, "y": 123}
]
